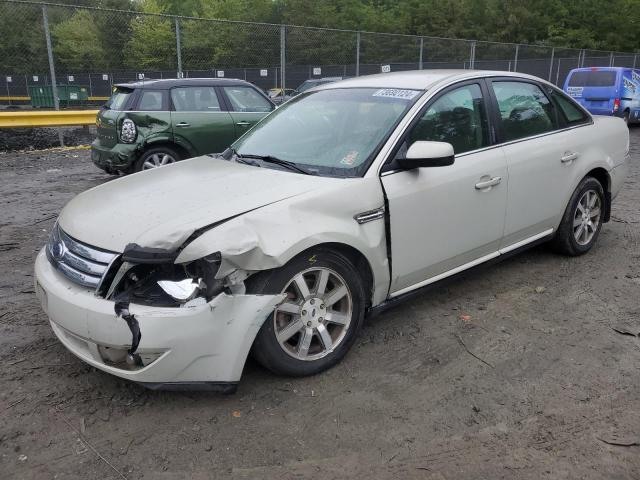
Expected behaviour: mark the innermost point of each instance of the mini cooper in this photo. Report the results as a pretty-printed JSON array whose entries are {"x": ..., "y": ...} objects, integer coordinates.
[{"x": 152, "y": 123}]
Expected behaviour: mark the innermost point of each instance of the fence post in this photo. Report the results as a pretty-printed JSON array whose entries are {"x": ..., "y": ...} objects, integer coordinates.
[
  {"x": 178, "y": 47},
  {"x": 357, "y": 54},
  {"x": 421, "y": 50},
  {"x": 581, "y": 55},
  {"x": 553, "y": 52},
  {"x": 635, "y": 57},
  {"x": 472, "y": 56},
  {"x": 282, "y": 58},
  {"x": 558, "y": 72},
  {"x": 52, "y": 68},
  {"x": 611, "y": 59},
  {"x": 515, "y": 59}
]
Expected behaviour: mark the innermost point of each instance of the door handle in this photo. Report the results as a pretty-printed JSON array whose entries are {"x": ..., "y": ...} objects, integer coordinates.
[
  {"x": 243, "y": 124},
  {"x": 183, "y": 124},
  {"x": 488, "y": 183},
  {"x": 568, "y": 157}
]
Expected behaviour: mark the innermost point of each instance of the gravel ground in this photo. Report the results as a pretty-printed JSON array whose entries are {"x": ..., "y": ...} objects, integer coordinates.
[
  {"x": 514, "y": 371},
  {"x": 17, "y": 139}
]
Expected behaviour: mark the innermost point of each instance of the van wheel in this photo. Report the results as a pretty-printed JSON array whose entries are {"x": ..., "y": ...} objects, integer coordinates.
[
  {"x": 156, "y": 157},
  {"x": 320, "y": 318},
  {"x": 582, "y": 220},
  {"x": 626, "y": 116}
]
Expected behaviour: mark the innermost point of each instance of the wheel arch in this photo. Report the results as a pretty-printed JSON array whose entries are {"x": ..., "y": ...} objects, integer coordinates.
[
  {"x": 359, "y": 260},
  {"x": 603, "y": 177},
  {"x": 164, "y": 142}
]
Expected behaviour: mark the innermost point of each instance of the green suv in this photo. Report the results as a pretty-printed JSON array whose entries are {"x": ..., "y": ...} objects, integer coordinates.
[{"x": 152, "y": 123}]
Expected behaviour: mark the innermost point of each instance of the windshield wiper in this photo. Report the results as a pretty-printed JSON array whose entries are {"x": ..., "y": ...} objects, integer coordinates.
[{"x": 276, "y": 161}]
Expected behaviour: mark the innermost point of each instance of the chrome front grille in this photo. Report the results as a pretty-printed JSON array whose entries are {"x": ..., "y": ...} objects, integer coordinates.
[{"x": 79, "y": 262}]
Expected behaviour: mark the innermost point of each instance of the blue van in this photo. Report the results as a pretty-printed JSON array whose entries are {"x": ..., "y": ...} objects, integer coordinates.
[{"x": 606, "y": 91}]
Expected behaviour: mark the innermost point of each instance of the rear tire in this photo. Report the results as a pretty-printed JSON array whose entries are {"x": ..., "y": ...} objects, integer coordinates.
[
  {"x": 582, "y": 219},
  {"x": 626, "y": 116},
  {"x": 320, "y": 319},
  {"x": 156, "y": 157}
]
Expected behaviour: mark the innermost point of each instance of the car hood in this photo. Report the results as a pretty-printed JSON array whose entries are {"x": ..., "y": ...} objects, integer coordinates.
[{"x": 161, "y": 208}]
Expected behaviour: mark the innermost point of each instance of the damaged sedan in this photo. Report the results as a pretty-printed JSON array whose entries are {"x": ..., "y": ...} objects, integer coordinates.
[{"x": 345, "y": 200}]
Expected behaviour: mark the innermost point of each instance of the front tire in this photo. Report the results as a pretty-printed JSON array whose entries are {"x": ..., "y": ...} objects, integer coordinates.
[
  {"x": 156, "y": 157},
  {"x": 320, "y": 319},
  {"x": 582, "y": 220}
]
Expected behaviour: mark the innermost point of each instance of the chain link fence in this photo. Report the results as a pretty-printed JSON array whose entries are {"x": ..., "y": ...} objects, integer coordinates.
[{"x": 89, "y": 49}]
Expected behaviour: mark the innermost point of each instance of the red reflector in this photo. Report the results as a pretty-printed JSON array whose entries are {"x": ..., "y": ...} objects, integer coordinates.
[
  {"x": 594, "y": 69},
  {"x": 616, "y": 105}
]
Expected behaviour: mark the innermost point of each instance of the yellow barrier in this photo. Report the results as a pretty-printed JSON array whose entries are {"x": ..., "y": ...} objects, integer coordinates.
[
  {"x": 47, "y": 118},
  {"x": 15, "y": 98},
  {"x": 20, "y": 98}
]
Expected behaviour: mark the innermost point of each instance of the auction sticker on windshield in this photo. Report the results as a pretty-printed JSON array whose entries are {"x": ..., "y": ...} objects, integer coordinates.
[{"x": 396, "y": 93}]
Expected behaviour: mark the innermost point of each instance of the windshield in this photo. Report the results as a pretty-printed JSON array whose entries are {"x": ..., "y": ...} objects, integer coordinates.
[
  {"x": 333, "y": 132},
  {"x": 593, "y": 79},
  {"x": 119, "y": 98}
]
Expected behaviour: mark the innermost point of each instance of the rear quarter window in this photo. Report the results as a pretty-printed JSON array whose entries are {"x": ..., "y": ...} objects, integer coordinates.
[
  {"x": 119, "y": 98},
  {"x": 573, "y": 115}
]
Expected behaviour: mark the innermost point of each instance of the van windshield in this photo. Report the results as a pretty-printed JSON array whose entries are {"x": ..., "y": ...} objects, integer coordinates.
[
  {"x": 593, "y": 79},
  {"x": 119, "y": 98}
]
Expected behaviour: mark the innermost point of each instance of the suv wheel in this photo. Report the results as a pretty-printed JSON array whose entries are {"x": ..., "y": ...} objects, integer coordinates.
[
  {"x": 318, "y": 322},
  {"x": 582, "y": 220},
  {"x": 156, "y": 157}
]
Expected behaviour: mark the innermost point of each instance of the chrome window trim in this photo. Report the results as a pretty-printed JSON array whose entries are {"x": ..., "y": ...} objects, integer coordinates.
[{"x": 401, "y": 129}]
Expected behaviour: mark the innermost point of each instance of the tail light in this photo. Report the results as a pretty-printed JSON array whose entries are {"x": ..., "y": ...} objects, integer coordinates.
[{"x": 616, "y": 105}]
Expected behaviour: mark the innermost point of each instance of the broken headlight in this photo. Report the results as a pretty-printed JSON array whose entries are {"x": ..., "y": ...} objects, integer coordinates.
[{"x": 169, "y": 284}]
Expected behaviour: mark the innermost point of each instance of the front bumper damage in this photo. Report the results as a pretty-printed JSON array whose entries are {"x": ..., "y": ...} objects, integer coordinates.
[{"x": 199, "y": 347}]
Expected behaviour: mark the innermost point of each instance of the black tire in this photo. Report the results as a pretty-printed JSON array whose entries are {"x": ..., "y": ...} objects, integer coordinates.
[
  {"x": 266, "y": 348},
  {"x": 565, "y": 241},
  {"x": 626, "y": 116},
  {"x": 147, "y": 154}
]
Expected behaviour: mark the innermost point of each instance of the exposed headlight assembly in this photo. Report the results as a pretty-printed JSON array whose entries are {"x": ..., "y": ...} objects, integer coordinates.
[
  {"x": 128, "y": 131},
  {"x": 168, "y": 284}
]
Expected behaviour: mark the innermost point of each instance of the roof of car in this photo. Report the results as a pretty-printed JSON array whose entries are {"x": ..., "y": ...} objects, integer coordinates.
[
  {"x": 182, "y": 82},
  {"x": 414, "y": 79}
]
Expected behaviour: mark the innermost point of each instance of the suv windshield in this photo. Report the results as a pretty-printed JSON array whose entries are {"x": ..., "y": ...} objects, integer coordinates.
[
  {"x": 332, "y": 132},
  {"x": 119, "y": 98}
]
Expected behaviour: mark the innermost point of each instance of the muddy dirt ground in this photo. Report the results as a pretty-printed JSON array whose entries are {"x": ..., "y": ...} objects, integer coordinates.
[{"x": 515, "y": 371}]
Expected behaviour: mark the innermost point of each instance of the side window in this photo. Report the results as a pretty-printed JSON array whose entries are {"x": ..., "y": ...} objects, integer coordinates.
[
  {"x": 570, "y": 111},
  {"x": 152, "y": 100},
  {"x": 246, "y": 99},
  {"x": 195, "y": 99},
  {"x": 458, "y": 117},
  {"x": 524, "y": 108}
]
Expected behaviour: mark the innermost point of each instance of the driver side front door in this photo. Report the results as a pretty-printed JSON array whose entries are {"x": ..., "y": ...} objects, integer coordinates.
[{"x": 446, "y": 219}]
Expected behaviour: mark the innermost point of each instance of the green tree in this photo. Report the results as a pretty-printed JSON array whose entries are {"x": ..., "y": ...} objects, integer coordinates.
[
  {"x": 76, "y": 43},
  {"x": 152, "y": 45}
]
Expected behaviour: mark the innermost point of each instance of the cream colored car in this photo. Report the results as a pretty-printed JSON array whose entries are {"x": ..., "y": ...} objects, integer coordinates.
[{"x": 339, "y": 203}]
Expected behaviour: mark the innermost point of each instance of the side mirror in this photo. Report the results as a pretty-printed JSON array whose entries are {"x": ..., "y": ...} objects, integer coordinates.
[{"x": 427, "y": 154}]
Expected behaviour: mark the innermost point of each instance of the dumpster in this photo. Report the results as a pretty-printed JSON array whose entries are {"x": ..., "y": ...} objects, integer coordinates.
[{"x": 69, "y": 95}]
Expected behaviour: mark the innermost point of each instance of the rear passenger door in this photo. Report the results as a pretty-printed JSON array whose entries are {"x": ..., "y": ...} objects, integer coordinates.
[
  {"x": 199, "y": 120},
  {"x": 247, "y": 106},
  {"x": 543, "y": 157}
]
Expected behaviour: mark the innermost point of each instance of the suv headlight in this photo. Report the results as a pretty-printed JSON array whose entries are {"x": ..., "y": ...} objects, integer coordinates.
[{"x": 128, "y": 131}]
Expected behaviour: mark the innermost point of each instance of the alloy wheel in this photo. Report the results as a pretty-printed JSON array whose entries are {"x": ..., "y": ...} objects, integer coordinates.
[
  {"x": 586, "y": 217},
  {"x": 157, "y": 160},
  {"x": 316, "y": 315}
]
